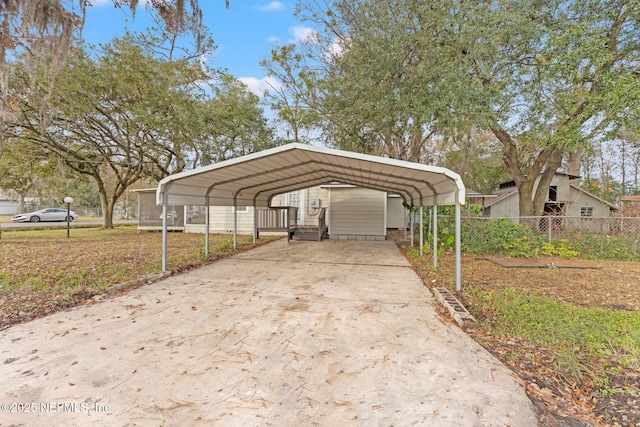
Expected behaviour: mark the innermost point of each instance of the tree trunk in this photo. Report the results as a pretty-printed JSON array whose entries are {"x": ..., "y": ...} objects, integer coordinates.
[
  {"x": 525, "y": 204},
  {"x": 574, "y": 164},
  {"x": 540, "y": 197},
  {"x": 108, "y": 215},
  {"x": 532, "y": 198}
]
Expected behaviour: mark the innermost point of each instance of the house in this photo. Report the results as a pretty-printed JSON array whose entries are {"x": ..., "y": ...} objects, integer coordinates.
[
  {"x": 564, "y": 199},
  {"x": 352, "y": 213}
]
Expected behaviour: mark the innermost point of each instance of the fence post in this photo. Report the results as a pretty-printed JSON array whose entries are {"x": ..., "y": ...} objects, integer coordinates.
[{"x": 549, "y": 224}]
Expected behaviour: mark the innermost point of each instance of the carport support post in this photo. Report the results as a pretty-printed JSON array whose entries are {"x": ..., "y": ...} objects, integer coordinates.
[
  {"x": 435, "y": 231},
  {"x": 406, "y": 213},
  {"x": 255, "y": 222},
  {"x": 458, "y": 269},
  {"x": 421, "y": 231},
  {"x": 206, "y": 227},
  {"x": 235, "y": 224},
  {"x": 164, "y": 231},
  {"x": 411, "y": 221}
]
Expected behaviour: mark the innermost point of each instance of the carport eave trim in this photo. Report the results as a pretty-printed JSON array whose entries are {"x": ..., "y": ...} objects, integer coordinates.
[{"x": 295, "y": 147}]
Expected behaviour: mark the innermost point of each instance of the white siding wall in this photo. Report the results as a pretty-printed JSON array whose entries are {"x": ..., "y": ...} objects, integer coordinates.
[
  {"x": 581, "y": 199},
  {"x": 8, "y": 207},
  {"x": 357, "y": 213},
  {"x": 506, "y": 208},
  {"x": 221, "y": 221},
  {"x": 562, "y": 184},
  {"x": 395, "y": 212}
]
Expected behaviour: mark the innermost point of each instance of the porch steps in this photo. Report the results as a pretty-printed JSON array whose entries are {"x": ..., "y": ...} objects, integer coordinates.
[
  {"x": 308, "y": 234},
  {"x": 313, "y": 234}
]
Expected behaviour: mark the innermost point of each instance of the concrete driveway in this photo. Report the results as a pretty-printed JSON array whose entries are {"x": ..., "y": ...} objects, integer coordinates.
[{"x": 300, "y": 334}]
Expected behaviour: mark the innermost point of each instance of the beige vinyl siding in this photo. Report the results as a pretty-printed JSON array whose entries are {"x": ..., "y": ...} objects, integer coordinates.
[
  {"x": 309, "y": 215},
  {"x": 395, "y": 212},
  {"x": 279, "y": 200},
  {"x": 357, "y": 213},
  {"x": 221, "y": 221}
]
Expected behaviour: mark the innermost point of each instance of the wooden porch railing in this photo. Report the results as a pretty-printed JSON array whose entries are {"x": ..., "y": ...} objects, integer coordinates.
[
  {"x": 322, "y": 224},
  {"x": 279, "y": 219}
]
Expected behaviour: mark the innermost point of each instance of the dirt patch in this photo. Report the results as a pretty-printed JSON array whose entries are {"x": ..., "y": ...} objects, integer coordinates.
[
  {"x": 603, "y": 283},
  {"x": 536, "y": 262}
]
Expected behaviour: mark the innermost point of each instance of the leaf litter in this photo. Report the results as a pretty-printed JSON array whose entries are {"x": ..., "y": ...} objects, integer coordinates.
[{"x": 562, "y": 397}]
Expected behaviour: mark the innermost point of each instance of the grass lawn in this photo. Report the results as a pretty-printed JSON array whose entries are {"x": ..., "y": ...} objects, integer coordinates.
[
  {"x": 573, "y": 335},
  {"x": 42, "y": 270}
]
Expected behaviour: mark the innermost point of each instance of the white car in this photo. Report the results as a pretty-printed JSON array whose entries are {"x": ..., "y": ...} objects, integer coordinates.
[{"x": 48, "y": 214}]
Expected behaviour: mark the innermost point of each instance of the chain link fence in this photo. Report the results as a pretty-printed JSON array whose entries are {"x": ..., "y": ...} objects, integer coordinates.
[{"x": 590, "y": 237}]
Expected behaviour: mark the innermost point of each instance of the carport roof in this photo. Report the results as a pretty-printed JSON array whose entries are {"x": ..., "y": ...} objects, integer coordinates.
[{"x": 254, "y": 179}]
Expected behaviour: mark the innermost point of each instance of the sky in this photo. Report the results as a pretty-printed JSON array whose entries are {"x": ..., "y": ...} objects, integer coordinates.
[{"x": 244, "y": 33}]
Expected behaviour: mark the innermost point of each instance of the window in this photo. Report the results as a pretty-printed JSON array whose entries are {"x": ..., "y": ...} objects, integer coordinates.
[
  {"x": 586, "y": 211},
  {"x": 553, "y": 193}
]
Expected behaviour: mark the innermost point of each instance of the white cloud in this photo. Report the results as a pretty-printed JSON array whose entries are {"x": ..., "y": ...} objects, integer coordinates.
[
  {"x": 274, "y": 5},
  {"x": 335, "y": 49},
  {"x": 259, "y": 86},
  {"x": 302, "y": 34},
  {"x": 274, "y": 39}
]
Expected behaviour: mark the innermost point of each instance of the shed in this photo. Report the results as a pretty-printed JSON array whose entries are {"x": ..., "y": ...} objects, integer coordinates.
[{"x": 563, "y": 198}]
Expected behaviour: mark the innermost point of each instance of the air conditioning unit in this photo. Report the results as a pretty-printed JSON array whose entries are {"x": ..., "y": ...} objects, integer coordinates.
[{"x": 316, "y": 203}]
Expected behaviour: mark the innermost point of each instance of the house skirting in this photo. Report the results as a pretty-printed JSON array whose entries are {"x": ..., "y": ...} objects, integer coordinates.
[{"x": 355, "y": 237}]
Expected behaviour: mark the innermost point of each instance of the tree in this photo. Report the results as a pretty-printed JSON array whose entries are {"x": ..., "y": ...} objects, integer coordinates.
[
  {"x": 42, "y": 32},
  {"x": 116, "y": 118},
  {"x": 22, "y": 170},
  {"x": 476, "y": 156},
  {"x": 545, "y": 78},
  {"x": 234, "y": 123},
  {"x": 291, "y": 98}
]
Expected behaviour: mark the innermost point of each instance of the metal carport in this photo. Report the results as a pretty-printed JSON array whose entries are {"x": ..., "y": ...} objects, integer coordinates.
[{"x": 254, "y": 179}]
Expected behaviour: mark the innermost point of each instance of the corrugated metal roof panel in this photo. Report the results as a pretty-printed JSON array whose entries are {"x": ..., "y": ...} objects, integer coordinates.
[{"x": 253, "y": 180}]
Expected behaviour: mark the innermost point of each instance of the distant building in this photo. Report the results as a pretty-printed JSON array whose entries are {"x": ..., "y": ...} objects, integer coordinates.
[
  {"x": 8, "y": 207},
  {"x": 563, "y": 199}
]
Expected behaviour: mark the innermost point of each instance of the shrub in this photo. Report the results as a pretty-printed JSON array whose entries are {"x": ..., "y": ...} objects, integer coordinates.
[{"x": 561, "y": 249}]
